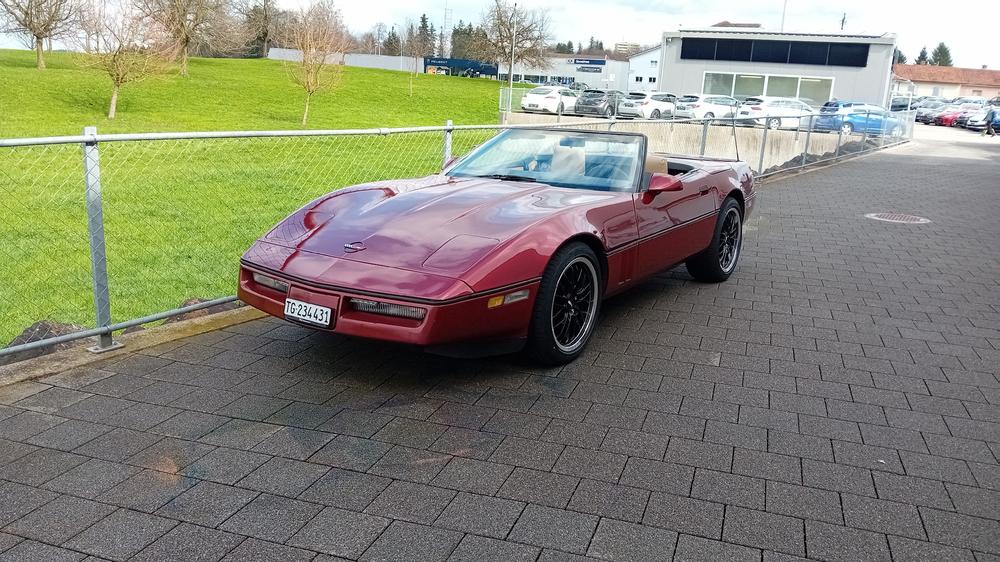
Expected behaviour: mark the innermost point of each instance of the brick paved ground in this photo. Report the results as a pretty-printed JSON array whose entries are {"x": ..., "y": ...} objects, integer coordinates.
[{"x": 836, "y": 399}]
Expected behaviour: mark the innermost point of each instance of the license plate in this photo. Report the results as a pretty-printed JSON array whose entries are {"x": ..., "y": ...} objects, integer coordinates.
[
  {"x": 744, "y": 113},
  {"x": 532, "y": 105},
  {"x": 309, "y": 313}
]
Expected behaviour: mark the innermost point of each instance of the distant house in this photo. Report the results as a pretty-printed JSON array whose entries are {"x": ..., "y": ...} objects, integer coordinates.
[{"x": 945, "y": 81}]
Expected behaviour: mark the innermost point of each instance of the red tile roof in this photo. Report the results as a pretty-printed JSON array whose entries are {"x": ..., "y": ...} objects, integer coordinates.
[{"x": 947, "y": 74}]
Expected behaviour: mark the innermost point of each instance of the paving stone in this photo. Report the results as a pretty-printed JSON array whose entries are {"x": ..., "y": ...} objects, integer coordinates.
[
  {"x": 356, "y": 423},
  {"x": 830, "y": 428},
  {"x": 620, "y": 540},
  {"x": 527, "y": 453},
  {"x": 803, "y": 502},
  {"x": 40, "y": 466},
  {"x": 797, "y": 445},
  {"x": 272, "y": 518},
  {"x": 657, "y": 476},
  {"x": 674, "y": 425},
  {"x": 959, "y": 448},
  {"x": 975, "y": 501},
  {"x": 474, "y": 476},
  {"x": 482, "y": 549},
  {"x": 961, "y": 531},
  {"x": 147, "y": 491},
  {"x": 882, "y": 516},
  {"x": 121, "y": 535},
  {"x": 190, "y": 542},
  {"x": 59, "y": 520},
  {"x": 480, "y": 515},
  {"x": 284, "y": 477},
  {"x": 517, "y": 424},
  {"x": 27, "y": 424},
  {"x": 770, "y": 419},
  {"x": 225, "y": 466},
  {"x": 609, "y": 500},
  {"x": 414, "y": 465},
  {"x": 205, "y": 400},
  {"x": 699, "y": 454},
  {"x": 545, "y": 488},
  {"x": 207, "y": 503},
  {"x": 407, "y": 406},
  {"x": 351, "y": 453},
  {"x": 346, "y": 489},
  {"x": 170, "y": 455},
  {"x": 698, "y": 549},
  {"x": 189, "y": 425},
  {"x": 117, "y": 444},
  {"x": 937, "y": 468},
  {"x": 764, "y": 530},
  {"x": 684, "y": 515},
  {"x": 462, "y": 415},
  {"x": 730, "y": 489},
  {"x": 240, "y": 434},
  {"x": 867, "y": 456},
  {"x": 507, "y": 399},
  {"x": 767, "y": 465},
  {"x": 68, "y": 435},
  {"x": 118, "y": 386},
  {"x": 11, "y": 451},
  {"x": 921, "y": 551},
  {"x": 406, "y": 541},
  {"x": 573, "y": 433},
  {"x": 469, "y": 443},
  {"x": 254, "y": 550},
  {"x": 418, "y": 503},
  {"x": 585, "y": 463},
  {"x": 737, "y": 435},
  {"x": 51, "y": 400},
  {"x": 410, "y": 433},
  {"x": 8, "y": 541},
  {"x": 547, "y": 527},
  {"x": 837, "y": 477},
  {"x": 92, "y": 478},
  {"x": 31, "y": 550},
  {"x": 832, "y": 542},
  {"x": 341, "y": 533},
  {"x": 301, "y": 414}
]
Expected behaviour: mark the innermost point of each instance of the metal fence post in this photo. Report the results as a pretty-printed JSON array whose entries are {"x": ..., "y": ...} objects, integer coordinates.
[
  {"x": 840, "y": 138},
  {"x": 95, "y": 233},
  {"x": 805, "y": 148},
  {"x": 704, "y": 136},
  {"x": 763, "y": 145},
  {"x": 864, "y": 132},
  {"x": 447, "y": 142}
]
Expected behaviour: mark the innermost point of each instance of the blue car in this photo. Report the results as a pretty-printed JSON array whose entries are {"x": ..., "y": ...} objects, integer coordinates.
[{"x": 859, "y": 118}]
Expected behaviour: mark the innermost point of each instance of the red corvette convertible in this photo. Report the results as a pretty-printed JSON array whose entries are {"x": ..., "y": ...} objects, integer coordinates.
[{"x": 514, "y": 245}]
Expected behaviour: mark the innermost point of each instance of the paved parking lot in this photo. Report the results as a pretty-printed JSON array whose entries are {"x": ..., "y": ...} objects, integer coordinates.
[{"x": 837, "y": 399}]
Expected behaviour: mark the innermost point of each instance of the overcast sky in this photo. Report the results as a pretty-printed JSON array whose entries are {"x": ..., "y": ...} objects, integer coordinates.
[{"x": 643, "y": 21}]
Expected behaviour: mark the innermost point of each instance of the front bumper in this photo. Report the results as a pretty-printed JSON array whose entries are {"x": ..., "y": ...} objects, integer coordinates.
[{"x": 467, "y": 319}]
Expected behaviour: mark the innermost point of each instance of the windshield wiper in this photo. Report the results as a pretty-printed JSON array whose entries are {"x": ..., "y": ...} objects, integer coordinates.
[{"x": 508, "y": 177}]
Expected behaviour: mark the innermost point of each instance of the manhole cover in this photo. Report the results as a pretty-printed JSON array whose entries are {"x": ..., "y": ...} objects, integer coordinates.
[{"x": 900, "y": 218}]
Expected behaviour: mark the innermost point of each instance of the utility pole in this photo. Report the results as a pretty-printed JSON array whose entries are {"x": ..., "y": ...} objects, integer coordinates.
[
  {"x": 843, "y": 21},
  {"x": 783, "y": 8},
  {"x": 510, "y": 70}
]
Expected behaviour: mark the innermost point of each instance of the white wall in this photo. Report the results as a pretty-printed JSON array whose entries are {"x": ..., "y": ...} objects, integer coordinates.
[
  {"x": 385, "y": 62},
  {"x": 645, "y": 66}
]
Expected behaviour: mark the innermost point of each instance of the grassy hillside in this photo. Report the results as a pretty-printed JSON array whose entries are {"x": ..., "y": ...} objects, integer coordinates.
[
  {"x": 178, "y": 214},
  {"x": 227, "y": 94}
]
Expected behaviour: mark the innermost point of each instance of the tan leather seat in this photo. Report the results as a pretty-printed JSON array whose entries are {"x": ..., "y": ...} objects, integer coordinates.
[
  {"x": 656, "y": 164},
  {"x": 568, "y": 161}
]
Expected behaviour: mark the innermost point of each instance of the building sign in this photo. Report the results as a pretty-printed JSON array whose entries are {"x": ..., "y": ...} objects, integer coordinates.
[
  {"x": 466, "y": 67},
  {"x": 599, "y": 62},
  {"x": 596, "y": 69}
]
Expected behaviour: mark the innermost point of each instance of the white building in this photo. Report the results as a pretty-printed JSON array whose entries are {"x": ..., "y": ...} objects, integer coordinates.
[
  {"x": 744, "y": 62},
  {"x": 644, "y": 70},
  {"x": 566, "y": 69}
]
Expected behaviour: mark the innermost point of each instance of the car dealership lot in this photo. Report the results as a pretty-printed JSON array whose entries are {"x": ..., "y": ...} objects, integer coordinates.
[{"x": 836, "y": 398}]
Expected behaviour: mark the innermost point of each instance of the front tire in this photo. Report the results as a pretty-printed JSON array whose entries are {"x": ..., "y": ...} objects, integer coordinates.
[
  {"x": 773, "y": 124},
  {"x": 847, "y": 128},
  {"x": 717, "y": 262},
  {"x": 567, "y": 306},
  {"x": 608, "y": 112},
  {"x": 655, "y": 114}
]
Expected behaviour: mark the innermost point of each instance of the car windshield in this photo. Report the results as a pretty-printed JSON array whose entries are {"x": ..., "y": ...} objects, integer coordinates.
[
  {"x": 637, "y": 96},
  {"x": 540, "y": 91},
  {"x": 688, "y": 98},
  {"x": 593, "y": 94},
  {"x": 575, "y": 159},
  {"x": 753, "y": 101}
]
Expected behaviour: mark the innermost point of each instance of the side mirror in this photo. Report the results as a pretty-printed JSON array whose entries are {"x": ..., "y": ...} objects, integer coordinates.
[
  {"x": 660, "y": 183},
  {"x": 449, "y": 162}
]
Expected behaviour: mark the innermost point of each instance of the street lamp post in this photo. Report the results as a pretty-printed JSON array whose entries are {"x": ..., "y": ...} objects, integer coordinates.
[{"x": 510, "y": 69}]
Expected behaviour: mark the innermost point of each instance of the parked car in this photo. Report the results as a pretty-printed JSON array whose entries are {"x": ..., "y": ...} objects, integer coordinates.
[
  {"x": 578, "y": 86},
  {"x": 775, "y": 112},
  {"x": 976, "y": 121},
  {"x": 963, "y": 118},
  {"x": 934, "y": 113},
  {"x": 514, "y": 246},
  {"x": 861, "y": 118},
  {"x": 949, "y": 117},
  {"x": 705, "y": 106},
  {"x": 606, "y": 103},
  {"x": 927, "y": 111},
  {"x": 550, "y": 99},
  {"x": 654, "y": 105},
  {"x": 844, "y": 106},
  {"x": 902, "y": 103}
]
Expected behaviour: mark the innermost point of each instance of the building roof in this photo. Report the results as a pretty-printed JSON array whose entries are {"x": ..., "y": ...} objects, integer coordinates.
[
  {"x": 751, "y": 33},
  {"x": 947, "y": 74},
  {"x": 644, "y": 51},
  {"x": 727, "y": 23}
]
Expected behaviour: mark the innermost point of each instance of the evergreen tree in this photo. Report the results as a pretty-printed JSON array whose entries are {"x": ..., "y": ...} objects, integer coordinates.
[
  {"x": 898, "y": 57},
  {"x": 941, "y": 55},
  {"x": 569, "y": 47},
  {"x": 424, "y": 38},
  {"x": 922, "y": 57},
  {"x": 391, "y": 44}
]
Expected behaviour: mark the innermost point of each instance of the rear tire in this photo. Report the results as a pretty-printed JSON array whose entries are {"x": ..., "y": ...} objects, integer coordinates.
[
  {"x": 773, "y": 124},
  {"x": 655, "y": 114},
  {"x": 608, "y": 112},
  {"x": 847, "y": 128},
  {"x": 709, "y": 115},
  {"x": 566, "y": 307},
  {"x": 717, "y": 262}
]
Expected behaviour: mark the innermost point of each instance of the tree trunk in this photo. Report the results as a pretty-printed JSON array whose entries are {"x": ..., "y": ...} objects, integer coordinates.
[
  {"x": 114, "y": 103},
  {"x": 264, "y": 47},
  {"x": 184, "y": 60},
  {"x": 39, "y": 55},
  {"x": 305, "y": 114}
]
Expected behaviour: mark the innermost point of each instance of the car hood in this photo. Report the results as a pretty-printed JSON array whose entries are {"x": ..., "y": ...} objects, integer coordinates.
[{"x": 438, "y": 223}]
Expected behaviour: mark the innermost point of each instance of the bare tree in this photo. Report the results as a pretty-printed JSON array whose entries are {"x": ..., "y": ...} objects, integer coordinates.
[
  {"x": 121, "y": 46},
  {"x": 37, "y": 20},
  {"x": 261, "y": 19},
  {"x": 192, "y": 24},
  {"x": 318, "y": 32},
  {"x": 530, "y": 39}
]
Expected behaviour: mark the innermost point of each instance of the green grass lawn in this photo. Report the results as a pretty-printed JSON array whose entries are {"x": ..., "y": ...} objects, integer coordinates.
[{"x": 178, "y": 214}]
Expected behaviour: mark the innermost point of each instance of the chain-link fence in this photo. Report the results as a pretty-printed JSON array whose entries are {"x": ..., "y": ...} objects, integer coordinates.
[{"x": 104, "y": 232}]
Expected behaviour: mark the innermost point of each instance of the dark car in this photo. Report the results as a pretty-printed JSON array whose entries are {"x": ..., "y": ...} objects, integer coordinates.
[
  {"x": 902, "y": 103},
  {"x": 928, "y": 110},
  {"x": 605, "y": 103}
]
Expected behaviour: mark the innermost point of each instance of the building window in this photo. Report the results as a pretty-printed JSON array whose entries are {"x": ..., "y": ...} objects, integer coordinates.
[
  {"x": 848, "y": 54},
  {"x": 936, "y": 91},
  {"x": 782, "y": 86},
  {"x": 770, "y": 51},
  {"x": 733, "y": 49},
  {"x": 719, "y": 84},
  {"x": 761, "y": 50},
  {"x": 638, "y": 78},
  {"x": 814, "y": 91},
  {"x": 977, "y": 92},
  {"x": 694, "y": 48},
  {"x": 652, "y": 63},
  {"x": 748, "y": 85},
  {"x": 651, "y": 79}
]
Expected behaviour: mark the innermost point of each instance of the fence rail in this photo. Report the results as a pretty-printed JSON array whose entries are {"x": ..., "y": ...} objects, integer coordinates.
[{"x": 152, "y": 225}]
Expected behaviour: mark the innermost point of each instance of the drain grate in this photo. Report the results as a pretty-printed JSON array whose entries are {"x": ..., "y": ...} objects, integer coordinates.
[{"x": 899, "y": 218}]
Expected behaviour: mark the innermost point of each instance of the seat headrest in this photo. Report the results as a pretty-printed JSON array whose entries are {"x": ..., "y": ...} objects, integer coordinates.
[{"x": 656, "y": 164}]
